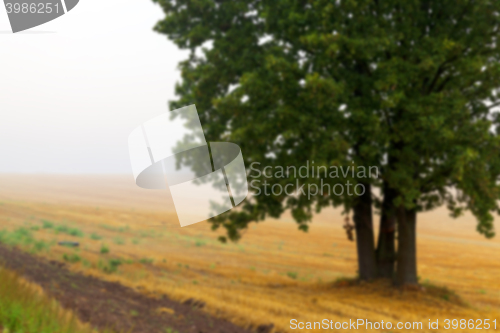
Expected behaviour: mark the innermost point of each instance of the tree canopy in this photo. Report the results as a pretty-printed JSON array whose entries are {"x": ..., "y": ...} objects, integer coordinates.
[{"x": 407, "y": 86}]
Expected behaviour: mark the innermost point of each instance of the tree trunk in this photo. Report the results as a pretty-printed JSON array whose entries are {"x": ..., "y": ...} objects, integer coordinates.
[
  {"x": 407, "y": 247},
  {"x": 386, "y": 248},
  {"x": 365, "y": 244}
]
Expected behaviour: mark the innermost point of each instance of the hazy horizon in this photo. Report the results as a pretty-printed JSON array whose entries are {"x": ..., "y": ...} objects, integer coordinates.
[{"x": 74, "y": 88}]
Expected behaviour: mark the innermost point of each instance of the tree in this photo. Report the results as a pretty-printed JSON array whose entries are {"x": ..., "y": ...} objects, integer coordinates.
[{"x": 406, "y": 86}]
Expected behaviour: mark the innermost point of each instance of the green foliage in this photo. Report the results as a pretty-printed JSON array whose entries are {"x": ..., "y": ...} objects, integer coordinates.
[
  {"x": 40, "y": 245},
  {"x": 47, "y": 224},
  {"x": 23, "y": 237},
  {"x": 104, "y": 249},
  {"x": 292, "y": 275},
  {"x": 112, "y": 228},
  {"x": 146, "y": 261},
  {"x": 170, "y": 330},
  {"x": 111, "y": 266},
  {"x": 62, "y": 229},
  {"x": 118, "y": 241},
  {"x": 65, "y": 230},
  {"x": 406, "y": 86},
  {"x": 95, "y": 236},
  {"x": 147, "y": 233},
  {"x": 75, "y": 232},
  {"x": 72, "y": 258}
]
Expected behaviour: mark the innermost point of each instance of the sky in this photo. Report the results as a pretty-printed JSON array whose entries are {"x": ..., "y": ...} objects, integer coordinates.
[{"x": 72, "y": 90}]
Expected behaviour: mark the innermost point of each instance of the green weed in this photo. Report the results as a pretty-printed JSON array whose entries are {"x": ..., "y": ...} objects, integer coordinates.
[
  {"x": 72, "y": 258},
  {"x": 104, "y": 249},
  {"x": 118, "y": 241},
  {"x": 111, "y": 228},
  {"x": 111, "y": 266},
  {"x": 22, "y": 237},
  {"x": 75, "y": 232},
  {"x": 47, "y": 224},
  {"x": 95, "y": 236}
]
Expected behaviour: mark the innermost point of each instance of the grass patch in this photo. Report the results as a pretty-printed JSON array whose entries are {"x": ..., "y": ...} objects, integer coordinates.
[
  {"x": 118, "y": 241},
  {"x": 111, "y": 228},
  {"x": 72, "y": 258},
  {"x": 39, "y": 246},
  {"x": 146, "y": 234},
  {"x": 69, "y": 231},
  {"x": 75, "y": 232},
  {"x": 146, "y": 261},
  {"x": 170, "y": 330},
  {"x": 443, "y": 293},
  {"x": 23, "y": 237},
  {"x": 61, "y": 229},
  {"x": 104, "y": 249},
  {"x": 47, "y": 224},
  {"x": 24, "y": 309},
  {"x": 111, "y": 266},
  {"x": 95, "y": 236},
  {"x": 292, "y": 275}
]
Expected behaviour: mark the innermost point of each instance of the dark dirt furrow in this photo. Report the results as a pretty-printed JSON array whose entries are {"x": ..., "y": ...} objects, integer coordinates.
[{"x": 106, "y": 304}]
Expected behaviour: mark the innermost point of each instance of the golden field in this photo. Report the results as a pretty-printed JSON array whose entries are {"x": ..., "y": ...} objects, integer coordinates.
[{"x": 274, "y": 274}]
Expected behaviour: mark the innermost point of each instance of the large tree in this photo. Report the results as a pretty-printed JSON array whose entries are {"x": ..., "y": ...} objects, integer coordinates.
[{"x": 406, "y": 86}]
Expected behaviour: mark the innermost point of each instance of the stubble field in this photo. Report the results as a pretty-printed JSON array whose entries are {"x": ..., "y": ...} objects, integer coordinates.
[{"x": 274, "y": 274}]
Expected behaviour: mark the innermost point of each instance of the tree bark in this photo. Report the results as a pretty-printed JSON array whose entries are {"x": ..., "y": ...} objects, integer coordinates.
[
  {"x": 363, "y": 224},
  {"x": 386, "y": 247},
  {"x": 407, "y": 248}
]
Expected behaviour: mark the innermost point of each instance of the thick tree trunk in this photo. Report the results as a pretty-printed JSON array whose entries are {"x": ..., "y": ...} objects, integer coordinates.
[
  {"x": 407, "y": 247},
  {"x": 363, "y": 224},
  {"x": 386, "y": 248}
]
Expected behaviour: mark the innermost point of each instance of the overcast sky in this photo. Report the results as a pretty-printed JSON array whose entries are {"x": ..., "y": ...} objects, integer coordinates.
[{"x": 72, "y": 90}]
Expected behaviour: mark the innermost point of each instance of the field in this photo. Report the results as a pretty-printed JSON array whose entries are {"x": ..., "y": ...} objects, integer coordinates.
[{"x": 274, "y": 274}]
